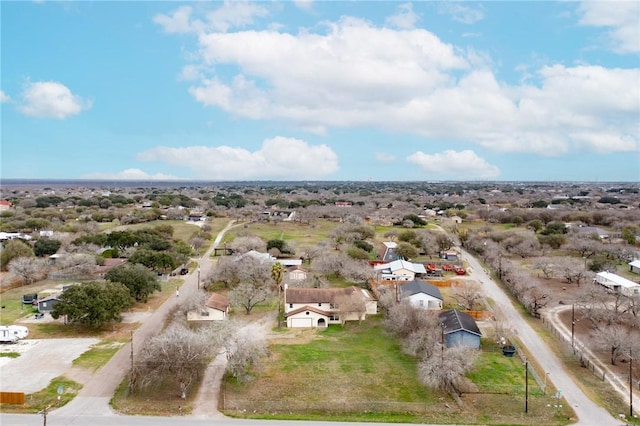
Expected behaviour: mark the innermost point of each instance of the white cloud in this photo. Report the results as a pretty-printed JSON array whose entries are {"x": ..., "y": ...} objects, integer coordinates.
[
  {"x": 462, "y": 13},
  {"x": 304, "y": 4},
  {"x": 231, "y": 14},
  {"x": 50, "y": 99},
  {"x": 353, "y": 74},
  {"x": 383, "y": 157},
  {"x": 179, "y": 21},
  {"x": 278, "y": 158},
  {"x": 129, "y": 174},
  {"x": 454, "y": 165},
  {"x": 405, "y": 18},
  {"x": 4, "y": 97},
  {"x": 620, "y": 17}
]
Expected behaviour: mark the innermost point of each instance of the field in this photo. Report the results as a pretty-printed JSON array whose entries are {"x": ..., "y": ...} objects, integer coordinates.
[
  {"x": 358, "y": 373},
  {"x": 287, "y": 231}
]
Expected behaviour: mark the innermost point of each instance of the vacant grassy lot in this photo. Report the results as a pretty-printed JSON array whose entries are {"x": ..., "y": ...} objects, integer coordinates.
[
  {"x": 287, "y": 231},
  {"x": 359, "y": 373}
]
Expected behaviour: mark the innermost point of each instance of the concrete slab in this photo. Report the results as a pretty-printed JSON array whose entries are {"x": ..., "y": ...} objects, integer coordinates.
[{"x": 40, "y": 361}]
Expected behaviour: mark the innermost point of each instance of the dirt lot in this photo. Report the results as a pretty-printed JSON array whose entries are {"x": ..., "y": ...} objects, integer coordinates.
[{"x": 40, "y": 361}]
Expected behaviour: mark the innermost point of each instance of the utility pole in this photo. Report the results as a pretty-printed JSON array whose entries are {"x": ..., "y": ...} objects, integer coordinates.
[
  {"x": 131, "y": 373},
  {"x": 526, "y": 385},
  {"x": 573, "y": 322},
  {"x": 630, "y": 383},
  {"x": 198, "y": 277}
]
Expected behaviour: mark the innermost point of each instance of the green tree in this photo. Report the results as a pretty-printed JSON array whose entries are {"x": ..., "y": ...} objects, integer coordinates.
[
  {"x": 13, "y": 249},
  {"x": 406, "y": 250},
  {"x": 46, "y": 247},
  {"x": 140, "y": 281},
  {"x": 93, "y": 304}
]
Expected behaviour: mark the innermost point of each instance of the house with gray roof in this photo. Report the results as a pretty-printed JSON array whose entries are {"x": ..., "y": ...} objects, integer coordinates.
[{"x": 421, "y": 294}]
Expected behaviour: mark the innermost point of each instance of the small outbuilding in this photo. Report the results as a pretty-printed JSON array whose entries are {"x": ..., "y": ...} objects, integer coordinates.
[
  {"x": 216, "y": 308},
  {"x": 460, "y": 329},
  {"x": 47, "y": 304}
]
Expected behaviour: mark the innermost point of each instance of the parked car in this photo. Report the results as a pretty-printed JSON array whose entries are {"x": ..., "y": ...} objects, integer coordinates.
[{"x": 184, "y": 271}]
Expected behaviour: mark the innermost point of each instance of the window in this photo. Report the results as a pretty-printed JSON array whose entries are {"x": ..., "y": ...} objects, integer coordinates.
[
  {"x": 421, "y": 302},
  {"x": 319, "y": 305},
  {"x": 333, "y": 305},
  {"x": 307, "y": 312},
  {"x": 290, "y": 305},
  {"x": 334, "y": 318}
]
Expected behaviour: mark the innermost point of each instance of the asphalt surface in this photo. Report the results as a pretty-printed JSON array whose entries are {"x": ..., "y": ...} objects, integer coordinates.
[{"x": 588, "y": 412}]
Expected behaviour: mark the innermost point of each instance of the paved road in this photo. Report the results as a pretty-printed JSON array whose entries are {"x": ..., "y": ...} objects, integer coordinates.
[
  {"x": 93, "y": 398},
  {"x": 589, "y": 413},
  {"x": 96, "y": 420}
]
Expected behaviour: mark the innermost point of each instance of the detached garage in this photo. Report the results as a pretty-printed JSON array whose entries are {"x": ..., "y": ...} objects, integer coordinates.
[{"x": 307, "y": 317}]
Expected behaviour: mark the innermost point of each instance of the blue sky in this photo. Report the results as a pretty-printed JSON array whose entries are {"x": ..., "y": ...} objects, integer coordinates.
[{"x": 321, "y": 90}]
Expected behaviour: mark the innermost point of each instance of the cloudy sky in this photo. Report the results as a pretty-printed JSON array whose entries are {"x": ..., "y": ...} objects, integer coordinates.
[{"x": 321, "y": 90}]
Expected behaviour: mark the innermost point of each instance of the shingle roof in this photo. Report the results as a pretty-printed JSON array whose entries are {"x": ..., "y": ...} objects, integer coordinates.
[
  {"x": 418, "y": 286},
  {"x": 455, "y": 320},
  {"x": 322, "y": 295},
  {"x": 307, "y": 308},
  {"x": 218, "y": 301}
]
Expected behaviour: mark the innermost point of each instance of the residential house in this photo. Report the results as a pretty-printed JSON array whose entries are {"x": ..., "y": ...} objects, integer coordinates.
[
  {"x": 635, "y": 266},
  {"x": 5, "y": 205},
  {"x": 399, "y": 270},
  {"x": 109, "y": 263},
  {"x": 216, "y": 308},
  {"x": 422, "y": 294},
  {"x": 617, "y": 283},
  {"x": 319, "y": 307},
  {"x": 459, "y": 329}
]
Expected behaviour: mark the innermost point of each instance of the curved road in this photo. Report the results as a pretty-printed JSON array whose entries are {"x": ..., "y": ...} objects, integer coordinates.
[{"x": 588, "y": 412}]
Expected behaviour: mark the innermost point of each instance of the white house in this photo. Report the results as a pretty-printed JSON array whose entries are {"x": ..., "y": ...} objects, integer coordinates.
[
  {"x": 399, "y": 270},
  {"x": 635, "y": 266},
  {"x": 422, "y": 294},
  {"x": 319, "y": 307},
  {"x": 617, "y": 283},
  {"x": 216, "y": 308}
]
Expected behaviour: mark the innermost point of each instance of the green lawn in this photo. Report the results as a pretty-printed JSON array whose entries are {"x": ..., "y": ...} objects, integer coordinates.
[
  {"x": 358, "y": 373},
  {"x": 287, "y": 231}
]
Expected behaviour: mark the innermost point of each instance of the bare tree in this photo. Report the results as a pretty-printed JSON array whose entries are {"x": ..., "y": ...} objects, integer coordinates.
[
  {"x": 447, "y": 371},
  {"x": 614, "y": 339},
  {"x": 546, "y": 265},
  {"x": 468, "y": 294},
  {"x": 244, "y": 356},
  {"x": 178, "y": 355},
  {"x": 247, "y": 243},
  {"x": 28, "y": 269},
  {"x": 572, "y": 270},
  {"x": 197, "y": 242},
  {"x": 349, "y": 306},
  {"x": 247, "y": 295}
]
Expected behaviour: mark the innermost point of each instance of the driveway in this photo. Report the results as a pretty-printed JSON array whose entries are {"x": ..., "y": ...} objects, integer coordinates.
[{"x": 40, "y": 361}]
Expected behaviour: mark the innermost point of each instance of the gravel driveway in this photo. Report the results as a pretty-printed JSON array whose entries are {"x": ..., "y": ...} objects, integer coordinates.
[{"x": 40, "y": 361}]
